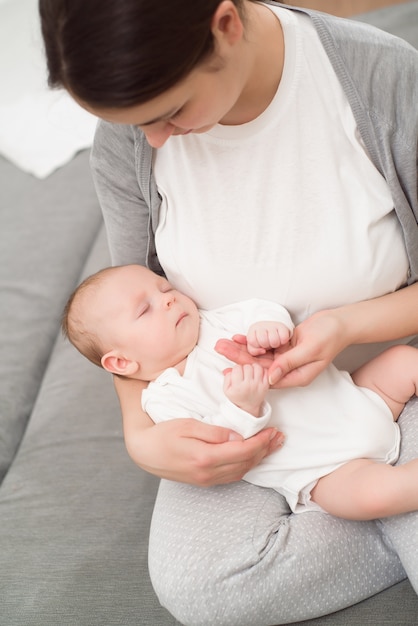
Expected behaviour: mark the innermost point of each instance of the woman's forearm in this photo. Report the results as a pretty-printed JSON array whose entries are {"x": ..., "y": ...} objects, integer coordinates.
[
  {"x": 320, "y": 338},
  {"x": 386, "y": 318},
  {"x": 135, "y": 420},
  {"x": 187, "y": 450}
]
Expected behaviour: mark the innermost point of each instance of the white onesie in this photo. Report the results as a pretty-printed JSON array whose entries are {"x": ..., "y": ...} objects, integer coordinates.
[{"x": 326, "y": 424}]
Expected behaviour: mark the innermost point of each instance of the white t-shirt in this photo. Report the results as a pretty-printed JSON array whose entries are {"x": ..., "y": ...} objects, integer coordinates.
[{"x": 278, "y": 208}]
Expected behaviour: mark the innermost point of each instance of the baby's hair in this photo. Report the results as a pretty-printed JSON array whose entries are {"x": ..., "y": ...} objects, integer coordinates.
[
  {"x": 74, "y": 326},
  {"x": 119, "y": 53}
]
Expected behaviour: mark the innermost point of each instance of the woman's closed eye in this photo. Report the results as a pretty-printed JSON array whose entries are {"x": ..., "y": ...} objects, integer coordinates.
[{"x": 175, "y": 115}]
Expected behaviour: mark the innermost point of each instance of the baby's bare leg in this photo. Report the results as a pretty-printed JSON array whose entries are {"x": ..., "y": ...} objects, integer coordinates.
[
  {"x": 366, "y": 490},
  {"x": 393, "y": 375}
]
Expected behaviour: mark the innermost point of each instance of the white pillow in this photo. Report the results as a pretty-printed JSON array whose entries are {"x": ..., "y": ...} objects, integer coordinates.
[{"x": 40, "y": 129}]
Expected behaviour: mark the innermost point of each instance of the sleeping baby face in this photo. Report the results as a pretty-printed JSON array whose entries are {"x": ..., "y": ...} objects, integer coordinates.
[{"x": 144, "y": 324}]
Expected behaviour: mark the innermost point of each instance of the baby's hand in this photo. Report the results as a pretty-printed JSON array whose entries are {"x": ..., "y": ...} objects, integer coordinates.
[
  {"x": 246, "y": 386},
  {"x": 264, "y": 336}
]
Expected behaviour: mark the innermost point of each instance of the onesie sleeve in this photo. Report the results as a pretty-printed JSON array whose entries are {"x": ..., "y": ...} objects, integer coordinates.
[
  {"x": 167, "y": 398},
  {"x": 243, "y": 423},
  {"x": 237, "y": 318}
]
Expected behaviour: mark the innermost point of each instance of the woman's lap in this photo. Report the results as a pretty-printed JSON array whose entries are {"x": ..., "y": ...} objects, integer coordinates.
[
  {"x": 233, "y": 555},
  {"x": 401, "y": 531}
]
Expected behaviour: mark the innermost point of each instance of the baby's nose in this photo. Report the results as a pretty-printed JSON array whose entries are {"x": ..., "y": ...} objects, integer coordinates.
[{"x": 169, "y": 299}]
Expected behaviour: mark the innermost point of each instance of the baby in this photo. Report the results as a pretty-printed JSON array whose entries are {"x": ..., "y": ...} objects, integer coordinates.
[{"x": 341, "y": 430}]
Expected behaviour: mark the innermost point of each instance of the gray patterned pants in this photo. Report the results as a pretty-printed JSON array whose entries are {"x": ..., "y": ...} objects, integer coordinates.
[{"x": 234, "y": 556}]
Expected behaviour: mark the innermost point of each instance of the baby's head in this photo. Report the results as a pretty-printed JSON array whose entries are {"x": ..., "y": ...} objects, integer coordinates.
[{"x": 131, "y": 322}]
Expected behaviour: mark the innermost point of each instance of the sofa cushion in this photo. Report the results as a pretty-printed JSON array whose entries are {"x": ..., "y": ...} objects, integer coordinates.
[
  {"x": 47, "y": 231},
  {"x": 400, "y": 20},
  {"x": 75, "y": 510}
]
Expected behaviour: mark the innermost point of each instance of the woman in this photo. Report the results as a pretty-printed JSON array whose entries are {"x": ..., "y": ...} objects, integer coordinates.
[{"x": 254, "y": 150}]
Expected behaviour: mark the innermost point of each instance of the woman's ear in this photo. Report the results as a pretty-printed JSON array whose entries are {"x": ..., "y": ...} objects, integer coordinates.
[
  {"x": 116, "y": 364},
  {"x": 227, "y": 23}
]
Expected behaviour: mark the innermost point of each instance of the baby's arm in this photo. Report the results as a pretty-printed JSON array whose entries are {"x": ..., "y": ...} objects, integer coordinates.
[
  {"x": 164, "y": 402},
  {"x": 393, "y": 375},
  {"x": 246, "y": 387},
  {"x": 264, "y": 336}
]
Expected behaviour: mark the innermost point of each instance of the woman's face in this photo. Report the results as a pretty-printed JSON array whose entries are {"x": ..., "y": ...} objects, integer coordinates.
[
  {"x": 232, "y": 88},
  {"x": 205, "y": 98}
]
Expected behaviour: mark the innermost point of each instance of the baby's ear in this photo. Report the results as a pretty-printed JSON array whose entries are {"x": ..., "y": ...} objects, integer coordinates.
[{"x": 116, "y": 364}]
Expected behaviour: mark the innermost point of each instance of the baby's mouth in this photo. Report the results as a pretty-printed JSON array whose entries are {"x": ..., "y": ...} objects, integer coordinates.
[{"x": 181, "y": 318}]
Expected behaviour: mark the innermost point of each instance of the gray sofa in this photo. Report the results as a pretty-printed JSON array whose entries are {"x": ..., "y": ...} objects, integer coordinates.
[{"x": 74, "y": 509}]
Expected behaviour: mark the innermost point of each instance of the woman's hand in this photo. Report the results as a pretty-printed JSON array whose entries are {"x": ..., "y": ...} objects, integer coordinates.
[
  {"x": 189, "y": 451},
  {"x": 314, "y": 344},
  {"x": 186, "y": 450},
  {"x": 320, "y": 338}
]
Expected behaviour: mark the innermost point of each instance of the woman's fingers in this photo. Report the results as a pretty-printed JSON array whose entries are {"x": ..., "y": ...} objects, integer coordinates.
[
  {"x": 298, "y": 377},
  {"x": 236, "y": 351},
  {"x": 234, "y": 459},
  {"x": 315, "y": 343},
  {"x": 192, "y": 452}
]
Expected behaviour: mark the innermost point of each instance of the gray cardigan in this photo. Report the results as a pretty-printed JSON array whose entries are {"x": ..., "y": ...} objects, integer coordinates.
[{"x": 379, "y": 74}]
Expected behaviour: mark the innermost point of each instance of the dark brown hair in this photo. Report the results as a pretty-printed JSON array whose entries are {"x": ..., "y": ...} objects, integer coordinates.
[{"x": 118, "y": 53}]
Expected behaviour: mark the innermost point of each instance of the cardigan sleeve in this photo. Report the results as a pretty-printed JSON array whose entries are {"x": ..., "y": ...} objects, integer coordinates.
[{"x": 125, "y": 211}]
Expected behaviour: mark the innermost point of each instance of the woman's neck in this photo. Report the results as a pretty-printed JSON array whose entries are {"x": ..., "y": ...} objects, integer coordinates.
[{"x": 264, "y": 48}]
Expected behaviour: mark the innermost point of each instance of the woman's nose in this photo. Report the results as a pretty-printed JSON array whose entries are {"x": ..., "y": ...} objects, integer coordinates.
[{"x": 158, "y": 133}]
